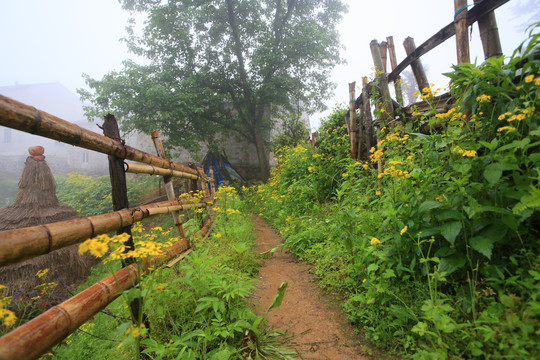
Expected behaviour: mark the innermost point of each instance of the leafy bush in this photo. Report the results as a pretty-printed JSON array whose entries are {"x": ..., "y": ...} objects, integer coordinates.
[{"x": 438, "y": 253}]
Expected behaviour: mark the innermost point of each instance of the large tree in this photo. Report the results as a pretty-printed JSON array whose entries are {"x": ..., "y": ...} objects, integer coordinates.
[{"x": 219, "y": 66}]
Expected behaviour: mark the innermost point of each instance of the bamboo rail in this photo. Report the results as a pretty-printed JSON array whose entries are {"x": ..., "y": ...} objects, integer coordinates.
[
  {"x": 154, "y": 170},
  {"x": 19, "y": 116},
  {"x": 20, "y": 244},
  {"x": 41, "y": 333},
  {"x": 475, "y": 13}
]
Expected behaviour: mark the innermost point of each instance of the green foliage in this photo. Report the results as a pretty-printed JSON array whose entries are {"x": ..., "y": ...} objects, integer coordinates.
[
  {"x": 293, "y": 131},
  {"x": 196, "y": 310},
  {"x": 217, "y": 67},
  {"x": 92, "y": 195},
  {"x": 438, "y": 253}
]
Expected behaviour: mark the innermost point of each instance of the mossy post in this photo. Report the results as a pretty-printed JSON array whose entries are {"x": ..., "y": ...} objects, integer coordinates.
[
  {"x": 388, "y": 113},
  {"x": 120, "y": 201},
  {"x": 168, "y": 184},
  {"x": 462, "y": 37},
  {"x": 393, "y": 65},
  {"x": 416, "y": 65},
  {"x": 489, "y": 33},
  {"x": 352, "y": 118},
  {"x": 368, "y": 119}
]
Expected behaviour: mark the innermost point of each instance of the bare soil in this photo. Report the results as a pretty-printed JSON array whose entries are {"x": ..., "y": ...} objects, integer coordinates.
[{"x": 320, "y": 330}]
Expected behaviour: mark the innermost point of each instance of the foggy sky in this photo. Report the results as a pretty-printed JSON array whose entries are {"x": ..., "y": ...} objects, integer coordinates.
[{"x": 58, "y": 40}]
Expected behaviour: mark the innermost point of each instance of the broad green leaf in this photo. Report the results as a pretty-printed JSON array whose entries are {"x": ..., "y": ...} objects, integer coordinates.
[
  {"x": 451, "y": 263},
  {"x": 372, "y": 267},
  {"x": 279, "y": 296},
  {"x": 389, "y": 273},
  {"x": 493, "y": 172},
  {"x": 451, "y": 230},
  {"x": 428, "y": 205},
  {"x": 483, "y": 245}
]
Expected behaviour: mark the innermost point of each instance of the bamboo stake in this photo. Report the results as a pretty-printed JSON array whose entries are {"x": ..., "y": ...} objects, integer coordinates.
[
  {"x": 383, "y": 48},
  {"x": 383, "y": 81},
  {"x": 41, "y": 333},
  {"x": 462, "y": 37},
  {"x": 393, "y": 64},
  {"x": 19, "y": 116},
  {"x": 352, "y": 119},
  {"x": 20, "y": 244},
  {"x": 416, "y": 66},
  {"x": 168, "y": 184},
  {"x": 489, "y": 33},
  {"x": 368, "y": 120}
]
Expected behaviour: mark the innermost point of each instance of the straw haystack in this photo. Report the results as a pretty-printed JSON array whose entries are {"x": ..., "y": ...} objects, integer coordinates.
[{"x": 36, "y": 204}]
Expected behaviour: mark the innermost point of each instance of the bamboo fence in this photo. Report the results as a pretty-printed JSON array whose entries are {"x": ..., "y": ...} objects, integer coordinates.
[
  {"x": 35, "y": 337},
  {"x": 360, "y": 128}
]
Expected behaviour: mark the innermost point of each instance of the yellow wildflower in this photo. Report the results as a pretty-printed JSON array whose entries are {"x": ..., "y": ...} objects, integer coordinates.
[
  {"x": 159, "y": 287},
  {"x": 98, "y": 249},
  {"x": 218, "y": 235},
  {"x": 537, "y": 81},
  {"x": 483, "y": 98},
  {"x": 529, "y": 78},
  {"x": 404, "y": 230},
  {"x": 377, "y": 192},
  {"x": 506, "y": 128},
  {"x": 375, "y": 241},
  {"x": 42, "y": 273}
]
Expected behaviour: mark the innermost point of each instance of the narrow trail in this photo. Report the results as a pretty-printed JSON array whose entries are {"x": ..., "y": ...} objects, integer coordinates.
[{"x": 321, "y": 330}]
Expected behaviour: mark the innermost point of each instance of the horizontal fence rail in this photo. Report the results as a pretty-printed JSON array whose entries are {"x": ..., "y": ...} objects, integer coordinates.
[
  {"x": 21, "y": 244},
  {"x": 475, "y": 13},
  {"x": 154, "y": 170},
  {"x": 41, "y": 333},
  {"x": 19, "y": 116}
]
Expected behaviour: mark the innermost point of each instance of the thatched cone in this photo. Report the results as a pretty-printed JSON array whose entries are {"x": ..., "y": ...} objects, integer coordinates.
[{"x": 36, "y": 204}]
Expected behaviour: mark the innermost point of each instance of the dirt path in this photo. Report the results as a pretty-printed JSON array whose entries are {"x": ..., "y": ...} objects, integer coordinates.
[{"x": 321, "y": 331}]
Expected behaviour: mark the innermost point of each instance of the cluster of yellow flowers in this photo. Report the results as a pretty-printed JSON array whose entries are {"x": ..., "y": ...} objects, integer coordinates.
[
  {"x": 518, "y": 114},
  {"x": 483, "y": 98},
  {"x": 8, "y": 317},
  {"x": 376, "y": 154},
  {"x": 464, "y": 153},
  {"x": 395, "y": 173},
  {"x": 530, "y": 78},
  {"x": 100, "y": 245},
  {"x": 135, "y": 331},
  {"x": 452, "y": 115},
  {"x": 375, "y": 241},
  {"x": 506, "y": 128}
]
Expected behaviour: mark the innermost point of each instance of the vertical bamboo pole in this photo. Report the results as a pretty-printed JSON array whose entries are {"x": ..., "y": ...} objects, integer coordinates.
[
  {"x": 120, "y": 201},
  {"x": 393, "y": 64},
  {"x": 368, "y": 120},
  {"x": 416, "y": 66},
  {"x": 462, "y": 37},
  {"x": 387, "y": 106},
  {"x": 169, "y": 188},
  {"x": 383, "y": 48},
  {"x": 352, "y": 119},
  {"x": 489, "y": 33}
]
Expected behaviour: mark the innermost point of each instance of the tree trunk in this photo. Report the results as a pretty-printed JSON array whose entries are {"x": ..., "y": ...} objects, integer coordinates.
[{"x": 264, "y": 164}]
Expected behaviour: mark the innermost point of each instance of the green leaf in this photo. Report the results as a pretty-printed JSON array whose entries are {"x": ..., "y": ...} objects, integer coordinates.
[
  {"x": 279, "y": 296},
  {"x": 389, "y": 273},
  {"x": 451, "y": 263},
  {"x": 483, "y": 245},
  {"x": 372, "y": 268},
  {"x": 493, "y": 172},
  {"x": 451, "y": 230},
  {"x": 428, "y": 205}
]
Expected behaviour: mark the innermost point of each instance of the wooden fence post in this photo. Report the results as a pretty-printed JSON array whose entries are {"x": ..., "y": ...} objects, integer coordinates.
[
  {"x": 489, "y": 33},
  {"x": 393, "y": 64},
  {"x": 416, "y": 66},
  {"x": 368, "y": 120},
  {"x": 120, "y": 201},
  {"x": 387, "y": 106},
  {"x": 169, "y": 188},
  {"x": 462, "y": 37},
  {"x": 352, "y": 120},
  {"x": 383, "y": 48}
]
